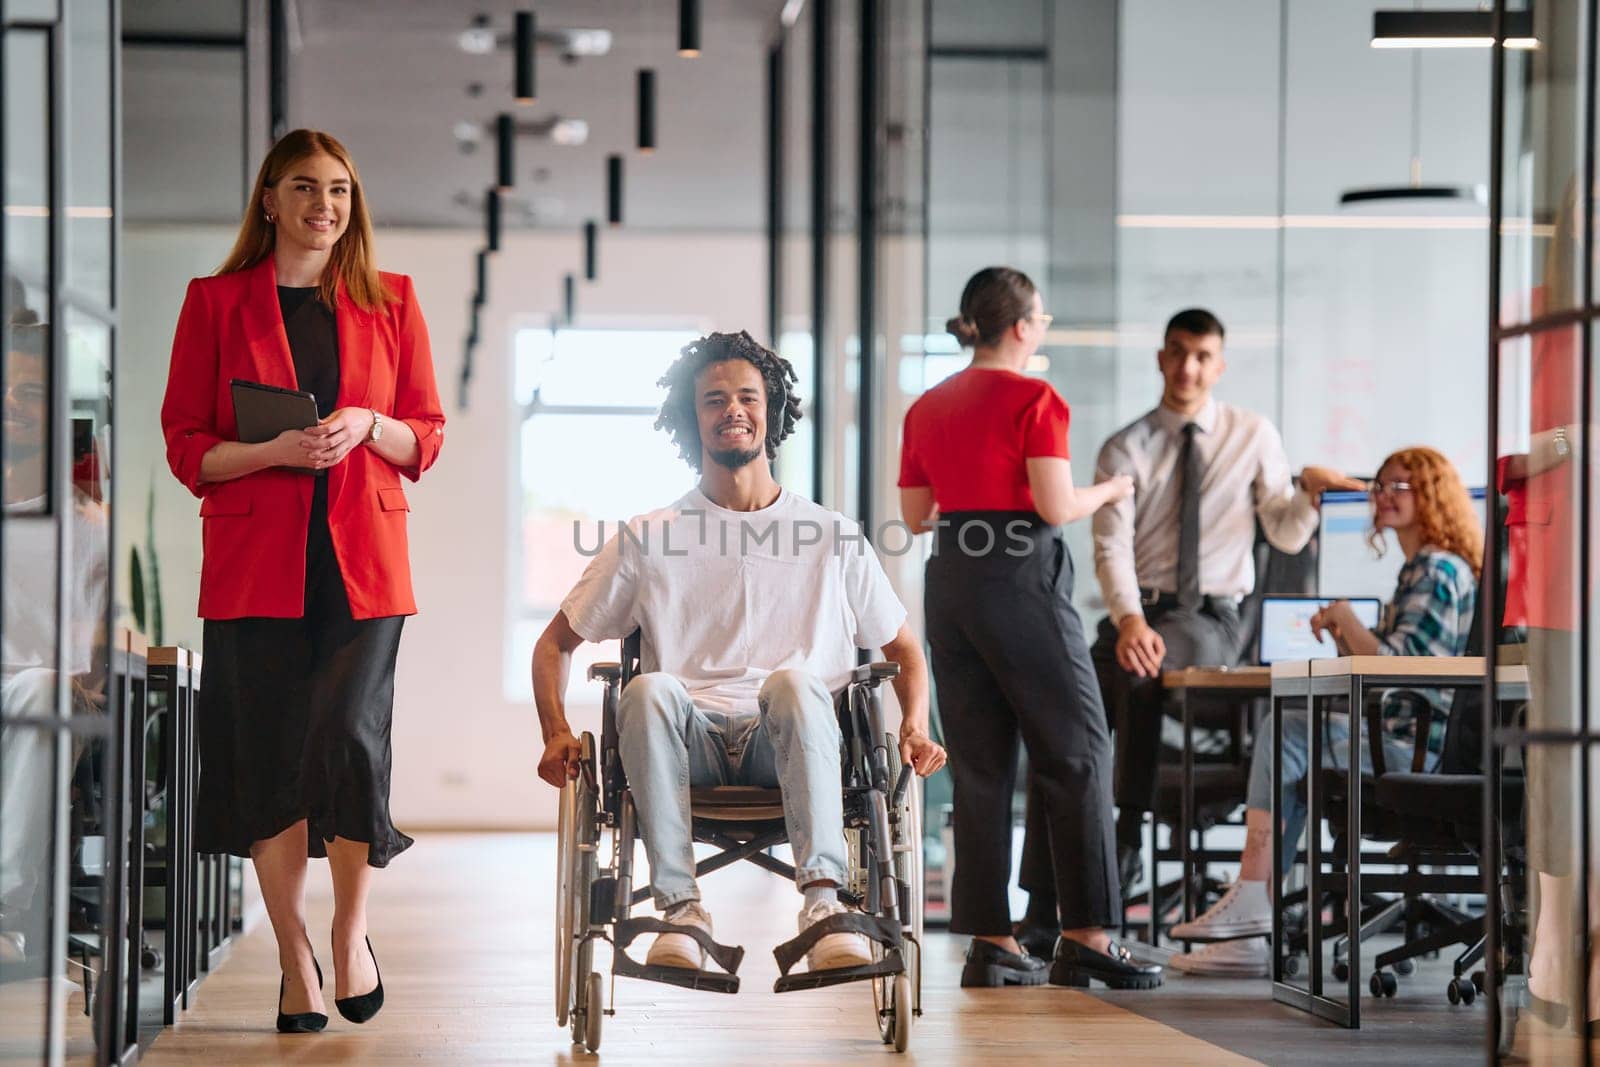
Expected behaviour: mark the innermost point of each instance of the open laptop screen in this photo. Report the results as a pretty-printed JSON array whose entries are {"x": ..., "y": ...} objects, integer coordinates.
[{"x": 1286, "y": 627}]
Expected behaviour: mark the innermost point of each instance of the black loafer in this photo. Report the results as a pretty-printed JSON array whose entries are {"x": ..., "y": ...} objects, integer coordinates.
[
  {"x": 1038, "y": 941},
  {"x": 990, "y": 965},
  {"x": 1075, "y": 964}
]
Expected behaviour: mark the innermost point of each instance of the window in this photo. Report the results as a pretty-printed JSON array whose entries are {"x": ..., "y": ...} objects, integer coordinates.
[{"x": 589, "y": 454}]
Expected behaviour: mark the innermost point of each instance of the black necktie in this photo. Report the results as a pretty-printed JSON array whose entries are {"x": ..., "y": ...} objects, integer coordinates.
[{"x": 1189, "y": 521}]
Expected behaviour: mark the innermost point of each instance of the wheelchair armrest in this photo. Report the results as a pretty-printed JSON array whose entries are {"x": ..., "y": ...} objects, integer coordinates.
[
  {"x": 873, "y": 673},
  {"x": 611, "y": 672}
]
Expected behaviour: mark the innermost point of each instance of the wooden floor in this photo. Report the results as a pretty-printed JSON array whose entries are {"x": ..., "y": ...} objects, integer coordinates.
[{"x": 463, "y": 929}]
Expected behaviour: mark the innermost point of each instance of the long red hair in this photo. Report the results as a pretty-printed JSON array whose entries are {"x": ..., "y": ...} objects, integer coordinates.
[
  {"x": 351, "y": 261},
  {"x": 1444, "y": 508}
]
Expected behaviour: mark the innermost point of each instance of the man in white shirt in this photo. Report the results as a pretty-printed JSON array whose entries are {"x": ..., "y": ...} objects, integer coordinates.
[
  {"x": 751, "y": 602},
  {"x": 1175, "y": 559}
]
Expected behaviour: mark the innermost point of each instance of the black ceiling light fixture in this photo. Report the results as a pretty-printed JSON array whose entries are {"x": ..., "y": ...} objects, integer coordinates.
[
  {"x": 689, "y": 28},
  {"x": 591, "y": 251},
  {"x": 505, "y": 135},
  {"x": 491, "y": 219},
  {"x": 1450, "y": 29},
  {"x": 569, "y": 298},
  {"x": 482, "y": 295},
  {"x": 525, "y": 38},
  {"x": 614, "y": 190},
  {"x": 1414, "y": 191},
  {"x": 647, "y": 110}
]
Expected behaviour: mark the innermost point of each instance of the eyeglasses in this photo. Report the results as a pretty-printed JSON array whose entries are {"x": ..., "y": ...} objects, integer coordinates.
[
  {"x": 1392, "y": 488},
  {"x": 1044, "y": 318}
]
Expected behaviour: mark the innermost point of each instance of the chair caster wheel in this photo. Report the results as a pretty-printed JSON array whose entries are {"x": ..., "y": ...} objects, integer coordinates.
[
  {"x": 1478, "y": 980},
  {"x": 1341, "y": 971},
  {"x": 1406, "y": 968},
  {"x": 1291, "y": 966},
  {"x": 1461, "y": 991},
  {"x": 1383, "y": 984}
]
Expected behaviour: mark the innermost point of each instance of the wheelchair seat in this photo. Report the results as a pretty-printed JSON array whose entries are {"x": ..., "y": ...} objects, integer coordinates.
[{"x": 736, "y": 803}]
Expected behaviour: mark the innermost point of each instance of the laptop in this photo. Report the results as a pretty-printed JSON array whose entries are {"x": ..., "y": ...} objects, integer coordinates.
[{"x": 1286, "y": 626}]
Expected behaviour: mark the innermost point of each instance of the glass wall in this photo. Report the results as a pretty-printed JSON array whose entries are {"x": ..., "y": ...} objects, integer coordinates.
[
  {"x": 1545, "y": 789},
  {"x": 62, "y": 840}
]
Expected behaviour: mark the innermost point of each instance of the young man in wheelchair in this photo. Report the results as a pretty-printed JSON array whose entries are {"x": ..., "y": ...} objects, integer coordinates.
[{"x": 751, "y": 602}]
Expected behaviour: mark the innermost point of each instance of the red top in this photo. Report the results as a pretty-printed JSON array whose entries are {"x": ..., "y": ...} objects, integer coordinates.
[
  {"x": 254, "y": 530},
  {"x": 1541, "y": 578},
  {"x": 969, "y": 439}
]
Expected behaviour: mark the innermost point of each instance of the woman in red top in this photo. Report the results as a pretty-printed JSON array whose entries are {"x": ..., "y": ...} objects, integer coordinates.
[
  {"x": 304, "y": 580},
  {"x": 985, "y": 464}
]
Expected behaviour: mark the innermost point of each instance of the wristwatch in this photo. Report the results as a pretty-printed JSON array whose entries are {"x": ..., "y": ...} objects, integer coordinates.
[
  {"x": 377, "y": 428},
  {"x": 1559, "y": 442}
]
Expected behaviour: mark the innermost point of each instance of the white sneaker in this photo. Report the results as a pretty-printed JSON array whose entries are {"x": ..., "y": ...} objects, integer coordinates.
[
  {"x": 1245, "y": 910},
  {"x": 681, "y": 950},
  {"x": 835, "y": 950},
  {"x": 1244, "y": 957}
]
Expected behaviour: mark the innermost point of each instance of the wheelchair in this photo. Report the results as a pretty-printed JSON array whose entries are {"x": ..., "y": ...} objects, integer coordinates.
[{"x": 883, "y": 839}]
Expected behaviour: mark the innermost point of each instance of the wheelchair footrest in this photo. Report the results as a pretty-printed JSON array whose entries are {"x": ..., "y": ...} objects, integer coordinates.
[
  {"x": 890, "y": 964},
  {"x": 884, "y": 931},
  {"x": 711, "y": 981},
  {"x": 728, "y": 957}
]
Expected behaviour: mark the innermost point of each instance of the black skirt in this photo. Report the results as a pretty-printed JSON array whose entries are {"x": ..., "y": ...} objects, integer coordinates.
[{"x": 293, "y": 719}]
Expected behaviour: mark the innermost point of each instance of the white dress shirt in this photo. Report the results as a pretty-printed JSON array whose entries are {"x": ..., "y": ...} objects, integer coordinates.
[{"x": 1247, "y": 476}]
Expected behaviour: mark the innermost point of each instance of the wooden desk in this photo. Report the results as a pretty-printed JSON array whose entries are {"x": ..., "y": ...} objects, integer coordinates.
[
  {"x": 1352, "y": 677},
  {"x": 1211, "y": 683}
]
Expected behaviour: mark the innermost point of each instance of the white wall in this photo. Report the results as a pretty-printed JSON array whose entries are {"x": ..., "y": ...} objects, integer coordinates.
[{"x": 464, "y": 755}]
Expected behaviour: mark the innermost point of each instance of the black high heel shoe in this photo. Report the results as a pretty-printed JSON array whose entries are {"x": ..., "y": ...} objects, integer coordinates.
[
  {"x": 304, "y": 1022},
  {"x": 360, "y": 1009}
]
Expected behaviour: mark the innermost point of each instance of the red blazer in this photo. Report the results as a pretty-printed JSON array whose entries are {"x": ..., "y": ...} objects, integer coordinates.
[{"x": 255, "y": 527}]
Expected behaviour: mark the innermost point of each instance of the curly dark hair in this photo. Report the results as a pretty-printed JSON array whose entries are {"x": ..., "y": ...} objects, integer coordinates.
[{"x": 678, "y": 411}]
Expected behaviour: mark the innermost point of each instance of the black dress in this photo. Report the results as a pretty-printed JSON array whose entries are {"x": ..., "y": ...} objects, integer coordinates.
[{"x": 293, "y": 715}]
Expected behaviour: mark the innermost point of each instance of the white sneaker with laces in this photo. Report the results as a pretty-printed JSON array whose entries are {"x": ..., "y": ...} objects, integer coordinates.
[
  {"x": 1245, "y": 910},
  {"x": 835, "y": 950},
  {"x": 681, "y": 950},
  {"x": 1243, "y": 957}
]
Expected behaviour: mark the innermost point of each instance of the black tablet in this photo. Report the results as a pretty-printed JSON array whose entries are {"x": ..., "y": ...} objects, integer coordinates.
[{"x": 262, "y": 412}]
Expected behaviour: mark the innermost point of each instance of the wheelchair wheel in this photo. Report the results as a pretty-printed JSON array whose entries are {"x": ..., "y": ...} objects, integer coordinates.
[
  {"x": 594, "y": 1012},
  {"x": 897, "y": 998},
  {"x": 566, "y": 849}
]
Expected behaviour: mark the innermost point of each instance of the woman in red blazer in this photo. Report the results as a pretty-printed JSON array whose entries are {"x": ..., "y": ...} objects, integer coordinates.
[{"x": 305, "y": 579}]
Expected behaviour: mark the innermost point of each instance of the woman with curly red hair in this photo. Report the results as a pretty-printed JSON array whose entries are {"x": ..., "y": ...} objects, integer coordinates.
[{"x": 1420, "y": 497}]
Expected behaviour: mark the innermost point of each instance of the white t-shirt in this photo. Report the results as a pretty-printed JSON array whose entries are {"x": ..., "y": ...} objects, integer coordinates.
[{"x": 724, "y": 598}]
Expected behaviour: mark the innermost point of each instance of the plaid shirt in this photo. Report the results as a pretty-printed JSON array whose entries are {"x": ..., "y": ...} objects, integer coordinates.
[{"x": 1431, "y": 616}]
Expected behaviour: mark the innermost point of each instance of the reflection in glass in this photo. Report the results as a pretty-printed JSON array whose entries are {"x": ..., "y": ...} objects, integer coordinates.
[
  {"x": 1541, "y": 240},
  {"x": 88, "y": 521},
  {"x": 88, "y": 221},
  {"x": 26, "y": 843},
  {"x": 27, "y": 157}
]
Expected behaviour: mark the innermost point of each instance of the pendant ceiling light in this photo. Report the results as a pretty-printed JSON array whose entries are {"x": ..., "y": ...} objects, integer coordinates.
[
  {"x": 491, "y": 219},
  {"x": 614, "y": 190},
  {"x": 526, "y": 36},
  {"x": 647, "y": 110},
  {"x": 591, "y": 252},
  {"x": 689, "y": 28},
  {"x": 482, "y": 295},
  {"x": 1450, "y": 29},
  {"x": 1414, "y": 191},
  {"x": 569, "y": 298},
  {"x": 505, "y": 133}
]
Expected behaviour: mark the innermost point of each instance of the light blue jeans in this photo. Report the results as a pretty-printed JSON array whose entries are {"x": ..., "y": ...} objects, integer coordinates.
[
  {"x": 1297, "y": 761},
  {"x": 668, "y": 745}
]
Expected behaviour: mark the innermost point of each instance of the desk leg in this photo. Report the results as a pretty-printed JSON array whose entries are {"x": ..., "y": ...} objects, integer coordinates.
[
  {"x": 1314, "y": 844},
  {"x": 1352, "y": 854},
  {"x": 1186, "y": 811},
  {"x": 1275, "y": 880}
]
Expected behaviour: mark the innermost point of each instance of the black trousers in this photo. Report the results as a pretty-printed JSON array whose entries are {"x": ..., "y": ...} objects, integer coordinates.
[
  {"x": 1134, "y": 706},
  {"x": 1011, "y": 662},
  {"x": 293, "y": 720}
]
